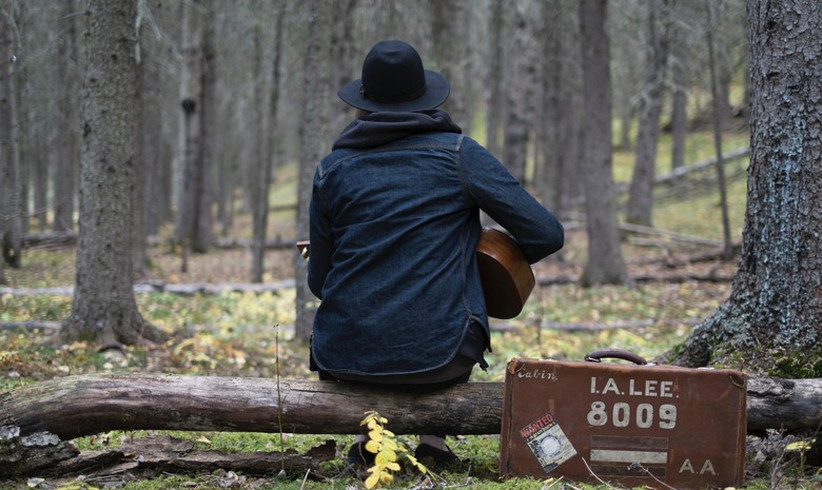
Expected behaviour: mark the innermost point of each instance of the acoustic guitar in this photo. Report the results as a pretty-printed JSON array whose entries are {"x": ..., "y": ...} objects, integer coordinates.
[
  {"x": 506, "y": 275},
  {"x": 507, "y": 278}
]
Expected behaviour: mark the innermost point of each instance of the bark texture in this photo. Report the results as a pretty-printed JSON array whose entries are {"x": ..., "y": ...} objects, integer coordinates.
[
  {"x": 103, "y": 307},
  {"x": 66, "y": 140},
  {"x": 773, "y": 317},
  {"x": 493, "y": 78},
  {"x": 75, "y": 406},
  {"x": 605, "y": 264},
  {"x": 519, "y": 92},
  {"x": 11, "y": 209},
  {"x": 315, "y": 141},
  {"x": 197, "y": 95},
  {"x": 640, "y": 201}
]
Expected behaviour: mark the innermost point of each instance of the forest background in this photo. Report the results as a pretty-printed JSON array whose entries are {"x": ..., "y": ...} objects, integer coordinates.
[{"x": 220, "y": 200}]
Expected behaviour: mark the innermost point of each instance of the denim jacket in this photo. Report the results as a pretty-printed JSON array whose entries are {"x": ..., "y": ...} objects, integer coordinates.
[{"x": 394, "y": 228}]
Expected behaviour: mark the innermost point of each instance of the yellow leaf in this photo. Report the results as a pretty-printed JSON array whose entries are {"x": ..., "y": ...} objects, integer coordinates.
[
  {"x": 387, "y": 433},
  {"x": 389, "y": 443},
  {"x": 386, "y": 478},
  {"x": 372, "y": 446},
  {"x": 392, "y": 466},
  {"x": 413, "y": 460},
  {"x": 204, "y": 439},
  {"x": 798, "y": 446},
  {"x": 375, "y": 435},
  {"x": 372, "y": 480},
  {"x": 385, "y": 456}
]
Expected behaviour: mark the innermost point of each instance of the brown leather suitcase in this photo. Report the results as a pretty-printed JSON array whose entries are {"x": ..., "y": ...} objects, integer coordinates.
[{"x": 635, "y": 424}]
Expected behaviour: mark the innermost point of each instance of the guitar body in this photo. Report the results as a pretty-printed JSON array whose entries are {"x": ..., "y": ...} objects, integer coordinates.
[{"x": 507, "y": 278}]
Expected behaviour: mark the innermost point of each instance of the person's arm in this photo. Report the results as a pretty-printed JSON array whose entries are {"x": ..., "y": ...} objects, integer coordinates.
[
  {"x": 319, "y": 263},
  {"x": 537, "y": 231}
]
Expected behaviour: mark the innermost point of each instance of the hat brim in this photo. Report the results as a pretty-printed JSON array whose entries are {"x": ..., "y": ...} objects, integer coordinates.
[{"x": 437, "y": 90}]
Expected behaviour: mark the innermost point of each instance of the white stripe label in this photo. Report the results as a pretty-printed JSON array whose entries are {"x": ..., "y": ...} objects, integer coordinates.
[{"x": 617, "y": 456}]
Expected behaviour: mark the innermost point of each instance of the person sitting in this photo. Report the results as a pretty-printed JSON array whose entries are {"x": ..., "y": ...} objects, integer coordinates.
[{"x": 394, "y": 225}]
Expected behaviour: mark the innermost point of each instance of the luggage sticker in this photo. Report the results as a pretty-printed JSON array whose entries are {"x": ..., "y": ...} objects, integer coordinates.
[{"x": 548, "y": 442}]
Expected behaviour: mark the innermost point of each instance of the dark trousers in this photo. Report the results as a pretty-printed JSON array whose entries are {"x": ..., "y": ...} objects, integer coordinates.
[{"x": 455, "y": 372}]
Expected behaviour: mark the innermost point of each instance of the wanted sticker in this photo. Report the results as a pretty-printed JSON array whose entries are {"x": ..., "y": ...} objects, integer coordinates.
[{"x": 548, "y": 442}]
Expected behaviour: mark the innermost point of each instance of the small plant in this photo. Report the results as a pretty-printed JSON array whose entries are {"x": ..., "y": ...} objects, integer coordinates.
[{"x": 387, "y": 450}]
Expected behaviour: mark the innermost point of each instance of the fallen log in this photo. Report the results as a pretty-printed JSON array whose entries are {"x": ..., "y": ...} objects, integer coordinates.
[
  {"x": 179, "y": 289},
  {"x": 36, "y": 421},
  {"x": 83, "y": 405},
  {"x": 790, "y": 404}
]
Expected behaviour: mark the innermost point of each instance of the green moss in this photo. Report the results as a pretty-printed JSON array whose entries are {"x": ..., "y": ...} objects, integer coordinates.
[{"x": 770, "y": 361}]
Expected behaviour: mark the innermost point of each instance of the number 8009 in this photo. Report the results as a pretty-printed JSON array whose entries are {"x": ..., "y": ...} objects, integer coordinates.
[{"x": 643, "y": 416}]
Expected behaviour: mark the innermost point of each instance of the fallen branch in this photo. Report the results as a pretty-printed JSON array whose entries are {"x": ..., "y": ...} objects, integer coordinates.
[
  {"x": 670, "y": 235},
  {"x": 622, "y": 324},
  {"x": 713, "y": 255},
  {"x": 181, "y": 289},
  {"x": 31, "y": 325},
  {"x": 50, "y": 240},
  {"x": 154, "y": 452},
  {"x": 671, "y": 278}
]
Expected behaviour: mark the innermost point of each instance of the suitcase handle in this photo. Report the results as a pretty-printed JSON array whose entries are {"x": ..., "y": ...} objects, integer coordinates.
[{"x": 598, "y": 355}]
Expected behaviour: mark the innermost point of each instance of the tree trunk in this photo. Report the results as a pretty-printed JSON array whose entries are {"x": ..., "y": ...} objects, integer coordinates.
[
  {"x": 519, "y": 93},
  {"x": 144, "y": 157},
  {"x": 345, "y": 58},
  {"x": 154, "y": 132},
  {"x": 65, "y": 151},
  {"x": 191, "y": 150},
  {"x": 267, "y": 94},
  {"x": 717, "y": 130},
  {"x": 772, "y": 320},
  {"x": 493, "y": 77},
  {"x": 314, "y": 142},
  {"x": 450, "y": 32},
  {"x": 723, "y": 65},
  {"x": 679, "y": 105},
  {"x": 570, "y": 181},
  {"x": 103, "y": 307},
  {"x": 11, "y": 208},
  {"x": 605, "y": 264},
  {"x": 640, "y": 201},
  {"x": 259, "y": 163},
  {"x": 35, "y": 153},
  {"x": 201, "y": 240},
  {"x": 557, "y": 175}
]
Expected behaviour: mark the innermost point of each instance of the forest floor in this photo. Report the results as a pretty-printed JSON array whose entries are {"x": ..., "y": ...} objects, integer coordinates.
[{"x": 249, "y": 334}]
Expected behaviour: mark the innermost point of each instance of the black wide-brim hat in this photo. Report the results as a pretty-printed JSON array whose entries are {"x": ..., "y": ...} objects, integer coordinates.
[{"x": 394, "y": 80}]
